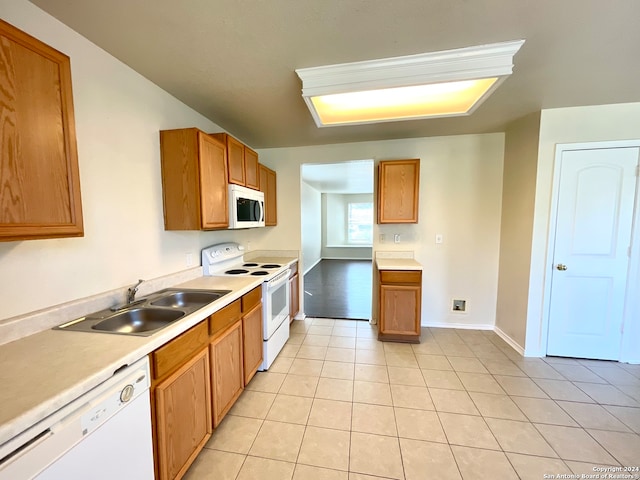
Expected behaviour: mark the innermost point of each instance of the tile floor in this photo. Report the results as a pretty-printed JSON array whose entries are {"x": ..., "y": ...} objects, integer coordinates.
[{"x": 462, "y": 404}]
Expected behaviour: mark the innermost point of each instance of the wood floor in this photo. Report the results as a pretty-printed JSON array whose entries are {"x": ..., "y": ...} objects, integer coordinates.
[{"x": 339, "y": 289}]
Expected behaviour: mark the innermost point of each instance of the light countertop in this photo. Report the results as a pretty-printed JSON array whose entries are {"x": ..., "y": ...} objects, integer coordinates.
[{"x": 397, "y": 264}]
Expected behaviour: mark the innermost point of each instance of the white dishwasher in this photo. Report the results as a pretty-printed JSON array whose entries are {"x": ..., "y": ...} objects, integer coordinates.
[{"x": 103, "y": 435}]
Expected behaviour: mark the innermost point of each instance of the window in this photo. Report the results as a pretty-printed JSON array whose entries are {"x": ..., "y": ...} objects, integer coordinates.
[{"x": 360, "y": 223}]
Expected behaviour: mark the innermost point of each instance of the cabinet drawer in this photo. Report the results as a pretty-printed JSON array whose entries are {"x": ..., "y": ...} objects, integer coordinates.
[
  {"x": 173, "y": 354},
  {"x": 401, "y": 277},
  {"x": 224, "y": 317},
  {"x": 251, "y": 299}
]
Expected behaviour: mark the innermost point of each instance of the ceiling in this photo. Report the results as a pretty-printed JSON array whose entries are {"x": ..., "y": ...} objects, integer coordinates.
[
  {"x": 234, "y": 61},
  {"x": 345, "y": 177}
]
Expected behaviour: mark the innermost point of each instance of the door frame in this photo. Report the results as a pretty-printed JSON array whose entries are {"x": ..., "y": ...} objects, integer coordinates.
[{"x": 630, "y": 345}]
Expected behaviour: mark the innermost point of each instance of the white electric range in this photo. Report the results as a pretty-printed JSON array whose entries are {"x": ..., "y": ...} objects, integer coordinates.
[{"x": 227, "y": 259}]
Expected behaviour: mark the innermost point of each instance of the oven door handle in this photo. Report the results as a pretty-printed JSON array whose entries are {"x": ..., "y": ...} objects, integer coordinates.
[{"x": 279, "y": 279}]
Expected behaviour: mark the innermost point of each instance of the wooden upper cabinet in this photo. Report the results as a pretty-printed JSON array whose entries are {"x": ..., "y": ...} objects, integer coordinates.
[
  {"x": 268, "y": 186},
  {"x": 194, "y": 180},
  {"x": 398, "y": 191},
  {"x": 242, "y": 161},
  {"x": 38, "y": 157}
]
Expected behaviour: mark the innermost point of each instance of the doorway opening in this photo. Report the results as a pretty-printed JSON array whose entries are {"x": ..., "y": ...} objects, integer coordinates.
[{"x": 337, "y": 239}]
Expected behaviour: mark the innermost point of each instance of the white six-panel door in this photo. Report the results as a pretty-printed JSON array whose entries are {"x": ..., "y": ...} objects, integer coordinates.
[{"x": 591, "y": 252}]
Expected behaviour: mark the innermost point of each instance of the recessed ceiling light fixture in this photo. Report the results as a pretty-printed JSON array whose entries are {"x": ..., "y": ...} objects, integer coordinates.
[{"x": 428, "y": 85}]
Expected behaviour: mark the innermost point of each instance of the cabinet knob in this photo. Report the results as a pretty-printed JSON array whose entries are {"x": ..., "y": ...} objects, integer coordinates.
[{"x": 561, "y": 266}]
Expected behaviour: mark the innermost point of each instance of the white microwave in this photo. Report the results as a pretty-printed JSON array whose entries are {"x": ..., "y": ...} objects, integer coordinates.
[{"x": 246, "y": 207}]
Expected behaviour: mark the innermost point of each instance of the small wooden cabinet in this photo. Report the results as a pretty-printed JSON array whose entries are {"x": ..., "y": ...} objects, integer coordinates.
[
  {"x": 268, "y": 186},
  {"x": 38, "y": 158},
  {"x": 194, "y": 180},
  {"x": 252, "y": 333},
  {"x": 400, "y": 293},
  {"x": 181, "y": 401},
  {"x": 294, "y": 292},
  {"x": 398, "y": 191},
  {"x": 242, "y": 161}
]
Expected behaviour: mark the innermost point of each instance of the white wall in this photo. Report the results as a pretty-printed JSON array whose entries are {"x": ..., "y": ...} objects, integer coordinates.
[
  {"x": 460, "y": 198},
  {"x": 334, "y": 226},
  {"x": 570, "y": 125},
  {"x": 118, "y": 116},
  {"x": 310, "y": 210}
]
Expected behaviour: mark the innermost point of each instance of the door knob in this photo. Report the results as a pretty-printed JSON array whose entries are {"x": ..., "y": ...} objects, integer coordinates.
[{"x": 561, "y": 266}]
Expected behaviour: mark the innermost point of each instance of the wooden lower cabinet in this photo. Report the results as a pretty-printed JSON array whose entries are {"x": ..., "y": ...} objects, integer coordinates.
[
  {"x": 294, "y": 292},
  {"x": 252, "y": 333},
  {"x": 400, "y": 296},
  {"x": 182, "y": 416},
  {"x": 227, "y": 377}
]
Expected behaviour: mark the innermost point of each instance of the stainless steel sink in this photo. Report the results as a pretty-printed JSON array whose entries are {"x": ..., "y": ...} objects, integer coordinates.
[
  {"x": 188, "y": 298},
  {"x": 138, "y": 320}
]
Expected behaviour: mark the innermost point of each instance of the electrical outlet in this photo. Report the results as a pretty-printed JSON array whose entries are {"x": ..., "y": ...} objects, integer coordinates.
[
  {"x": 439, "y": 238},
  {"x": 382, "y": 238},
  {"x": 188, "y": 259},
  {"x": 396, "y": 238}
]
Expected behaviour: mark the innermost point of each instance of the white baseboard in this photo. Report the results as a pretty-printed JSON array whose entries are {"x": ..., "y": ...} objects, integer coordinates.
[
  {"x": 465, "y": 326},
  {"x": 512, "y": 343},
  {"x": 306, "y": 270},
  {"x": 347, "y": 258}
]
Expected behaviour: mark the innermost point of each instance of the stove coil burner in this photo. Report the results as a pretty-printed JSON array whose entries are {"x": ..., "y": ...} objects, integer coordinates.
[
  {"x": 236, "y": 271},
  {"x": 249, "y": 264},
  {"x": 270, "y": 265},
  {"x": 259, "y": 272}
]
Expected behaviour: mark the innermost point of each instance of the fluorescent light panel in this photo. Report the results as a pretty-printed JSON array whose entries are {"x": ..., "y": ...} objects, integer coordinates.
[{"x": 438, "y": 84}]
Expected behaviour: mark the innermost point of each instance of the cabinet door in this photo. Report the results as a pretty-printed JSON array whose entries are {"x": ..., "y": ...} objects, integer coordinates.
[
  {"x": 235, "y": 153},
  {"x": 400, "y": 310},
  {"x": 183, "y": 416},
  {"x": 226, "y": 370},
  {"x": 251, "y": 175},
  {"x": 213, "y": 183},
  {"x": 252, "y": 341},
  {"x": 268, "y": 186},
  {"x": 38, "y": 157},
  {"x": 294, "y": 296},
  {"x": 398, "y": 191}
]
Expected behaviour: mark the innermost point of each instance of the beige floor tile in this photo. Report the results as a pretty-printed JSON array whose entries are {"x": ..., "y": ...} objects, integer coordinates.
[
  {"x": 343, "y": 342},
  {"x": 428, "y": 461},
  {"x": 406, "y": 376},
  {"x": 278, "y": 441},
  {"x": 521, "y": 386},
  {"x": 405, "y": 359},
  {"x": 615, "y": 375},
  {"x": 300, "y": 385},
  {"x": 290, "y": 409},
  {"x": 563, "y": 390},
  {"x": 340, "y": 354},
  {"x": 281, "y": 364},
  {"x": 215, "y": 465},
  {"x": 578, "y": 373},
  {"x": 452, "y": 401},
  {"x": 235, "y": 434},
  {"x": 589, "y": 415},
  {"x": 392, "y": 347},
  {"x": 433, "y": 362},
  {"x": 350, "y": 323},
  {"x": 467, "y": 430},
  {"x": 497, "y": 406},
  {"x": 376, "y": 419},
  {"x": 607, "y": 394},
  {"x": 371, "y": 357},
  {"x": 306, "y": 472},
  {"x": 335, "y": 389},
  {"x": 475, "y": 464},
  {"x": 480, "y": 382},
  {"x": 253, "y": 404},
  {"x": 364, "y": 343},
  {"x": 632, "y": 391},
  {"x": 630, "y": 416},
  {"x": 360, "y": 476},
  {"x": 625, "y": 447},
  {"x": 419, "y": 425},
  {"x": 343, "y": 332},
  {"x": 574, "y": 444},
  {"x": 372, "y": 392},
  {"x": 300, "y": 326},
  {"x": 540, "y": 410},
  {"x": 322, "y": 447},
  {"x": 311, "y": 352},
  {"x": 456, "y": 350},
  {"x": 301, "y": 366},
  {"x": 320, "y": 330},
  {"x": 289, "y": 350},
  {"x": 375, "y": 455},
  {"x": 269, "y": 382},
  {"x": 323, "y": 322},
  {"x": 465, "y": 364},
  {"x": 296, "y": 339},
  {"x": 539, "y": 369},
  {"x": 337, "y": 370},
  {"x": 535, "y": 468},
  {"x": 265, "y": 469},
  {"x": 371, "y": 373},
  {"x": 503, "y": 367},
  {"x": 411, "y": 397},
  {"x": 442, "y": 379},
  {"x": 428, "y": 347},
  {"x": 371, "y": 332},
  {"x": 585, "y": 468},
  {"x": 330, "y": 414},
  {"x": 316, "y": 340},
  {"x": 519, "y": 437}
]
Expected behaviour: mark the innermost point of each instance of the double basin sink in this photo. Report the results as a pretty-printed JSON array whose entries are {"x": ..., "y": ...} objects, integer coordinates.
[{"x": 146, "y": 316}]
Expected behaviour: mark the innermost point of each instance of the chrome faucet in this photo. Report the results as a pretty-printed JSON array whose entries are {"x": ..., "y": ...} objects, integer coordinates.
[{"x": 131, "y": 292}]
